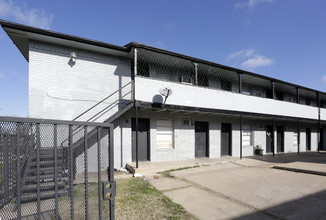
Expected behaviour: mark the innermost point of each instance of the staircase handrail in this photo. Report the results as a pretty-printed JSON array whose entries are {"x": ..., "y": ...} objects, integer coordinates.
[{"x": 102, "y": 100}]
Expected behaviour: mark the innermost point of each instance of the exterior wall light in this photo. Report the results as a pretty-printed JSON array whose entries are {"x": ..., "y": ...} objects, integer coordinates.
[{"x": 73, "y": 57}]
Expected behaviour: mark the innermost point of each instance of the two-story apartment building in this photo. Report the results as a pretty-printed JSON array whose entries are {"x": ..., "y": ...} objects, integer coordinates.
[{"x": 164, "y": 105}]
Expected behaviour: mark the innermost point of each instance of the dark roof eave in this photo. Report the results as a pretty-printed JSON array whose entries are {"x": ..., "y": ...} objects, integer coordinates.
[{"x": 60, "y": 35}]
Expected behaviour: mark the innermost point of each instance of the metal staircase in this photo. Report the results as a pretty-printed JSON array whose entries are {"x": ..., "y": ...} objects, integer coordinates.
[
  {"x": 47, "y": 174},
  {"x": 50, "y": 180}
]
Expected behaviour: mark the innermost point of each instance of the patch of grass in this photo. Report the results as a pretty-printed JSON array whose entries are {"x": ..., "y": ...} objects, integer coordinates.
[
  {"x": 137, "y": 199},
  {"x": 167, "y": 173}
]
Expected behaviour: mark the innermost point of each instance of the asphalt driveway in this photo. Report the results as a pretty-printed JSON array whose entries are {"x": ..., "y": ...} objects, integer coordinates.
[{"x": 249, "y": 189}]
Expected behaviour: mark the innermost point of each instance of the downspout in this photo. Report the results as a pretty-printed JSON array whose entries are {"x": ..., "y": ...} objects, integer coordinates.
[
  {"x": 196, "y": 73},
  {"x": 133, "y": 76}
]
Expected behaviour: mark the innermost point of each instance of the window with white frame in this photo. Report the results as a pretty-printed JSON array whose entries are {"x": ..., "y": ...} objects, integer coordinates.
[
  {"x": 164, "y": 134},
  {"x": 295, "y": 138},
  {"x": 246, "y": 135}
]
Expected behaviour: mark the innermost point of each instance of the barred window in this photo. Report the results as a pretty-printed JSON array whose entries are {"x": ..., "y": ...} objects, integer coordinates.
[
  {"x": 164, "y": 134},
  {"x": 246, "y": 135}
]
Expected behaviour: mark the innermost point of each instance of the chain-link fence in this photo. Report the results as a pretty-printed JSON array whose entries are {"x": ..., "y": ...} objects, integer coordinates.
[
  {"x": 172, "y": 68},
  {"x": 49, "y": 172},
  {"x": 175, "y": 69}
]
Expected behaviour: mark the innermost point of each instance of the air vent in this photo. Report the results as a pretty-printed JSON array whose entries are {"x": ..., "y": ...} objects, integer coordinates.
[{"x": 185, "y": 122}]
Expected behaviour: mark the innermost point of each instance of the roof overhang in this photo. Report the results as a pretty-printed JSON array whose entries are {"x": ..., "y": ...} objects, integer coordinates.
[{"x": 22, "y": 34}]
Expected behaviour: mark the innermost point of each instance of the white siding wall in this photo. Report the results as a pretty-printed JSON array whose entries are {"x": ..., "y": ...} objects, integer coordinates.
[
  {"x": 288, "y": 142},
  {"x": 207, "y": 98},
  {"x": 302, "y": 139},
  {"x": 236, "y": 139},
  {"x": 323, "y": 114},
  {"x": 314, "y": 142},
  {"x": 259, "y": 137},
  {"x": 60, "y": 90},
  {"x": 184, "y": 137},
  {"x": 214, "y": 139}
]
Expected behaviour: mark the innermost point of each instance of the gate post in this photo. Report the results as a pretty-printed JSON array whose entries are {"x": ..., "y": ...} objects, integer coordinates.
[
  {"x": 18, "y": 175},
  {"x": 111, "y": 174},
  {"x": 5, "y": 168}
]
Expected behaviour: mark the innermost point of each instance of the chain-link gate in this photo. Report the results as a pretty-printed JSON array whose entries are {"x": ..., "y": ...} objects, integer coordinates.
[{"x": 56, "y": 169}]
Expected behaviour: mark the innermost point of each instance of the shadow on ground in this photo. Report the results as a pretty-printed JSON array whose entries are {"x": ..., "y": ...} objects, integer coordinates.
[
  {"x": 308, "y": 207},
  {"x": 308, "y": 157}
]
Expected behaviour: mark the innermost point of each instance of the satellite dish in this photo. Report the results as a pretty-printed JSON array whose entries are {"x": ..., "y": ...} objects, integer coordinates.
[{"x": 166, "y": 92}]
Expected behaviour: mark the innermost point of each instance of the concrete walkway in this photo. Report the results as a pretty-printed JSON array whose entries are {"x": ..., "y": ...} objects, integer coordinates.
[
  {"x": 151, "y": 168},
  {"x": 250, "y": 188}
]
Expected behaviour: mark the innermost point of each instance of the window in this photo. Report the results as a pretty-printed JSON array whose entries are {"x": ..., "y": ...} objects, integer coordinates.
[
  {"x": 279, "y": 96},
  {"x": 164, "y": 134},
  {"x": 226, "y": 85},
  {"x": 289, "y": 99},
  {"x": 295, "y": 138},
  {"x": 307, "y": 101},
  {"x": 143, "y": 68},
  {"x": 245, "y": 90},
  {"x": 186, "y": 79},
  {"x": 202, "y": 80},
  {"x": 246, "y": 135}
]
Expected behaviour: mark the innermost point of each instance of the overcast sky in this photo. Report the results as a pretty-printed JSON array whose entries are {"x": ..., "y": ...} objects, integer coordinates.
[{"x": 284, "y": 39}]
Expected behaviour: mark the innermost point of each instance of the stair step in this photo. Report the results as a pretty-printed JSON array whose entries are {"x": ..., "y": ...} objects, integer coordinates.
[
  {"x": 44, "y": 175},
  {"x": 47, "y": 162},
  {"x": 51, "y": 149},
  {"x": 33, "y": 170},
  {"x": 43, "y": 178},
  {"x": 50, "y": 186},
  {"x": 49, "y": 156},
  {"x": 32, "y": 197}
]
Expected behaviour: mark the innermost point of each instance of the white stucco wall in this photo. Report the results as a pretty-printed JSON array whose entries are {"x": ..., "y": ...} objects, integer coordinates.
[
  {"x": 259, "y": 137},
  {"x": 192, "y": 96},
  {"x": 314, "y": 139},
  {"x": 322, "y": 114},
  {"x": 59, "y": 89}
]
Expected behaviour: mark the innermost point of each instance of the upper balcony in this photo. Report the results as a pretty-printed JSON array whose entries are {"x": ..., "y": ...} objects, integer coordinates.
[{"x": 205, "y": 85}]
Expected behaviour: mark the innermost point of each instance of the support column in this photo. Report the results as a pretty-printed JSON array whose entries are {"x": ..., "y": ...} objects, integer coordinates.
[
  {"x": 273, "y": 90},
  {"x": 133, "y": 76},
  {"x": 298, "y": 130},
  {"x": 240, "y": 82},
  {"x": 298, "y": 95},
  {"x": 136, "y": 135},
  {"x": 240, "y": 136},
  {"x": 273, "y": 145},
  {"x": 318, "y": 130}
]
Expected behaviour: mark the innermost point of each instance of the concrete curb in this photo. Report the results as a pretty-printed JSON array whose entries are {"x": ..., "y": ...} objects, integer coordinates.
[{"x": 320, "y": 173}]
